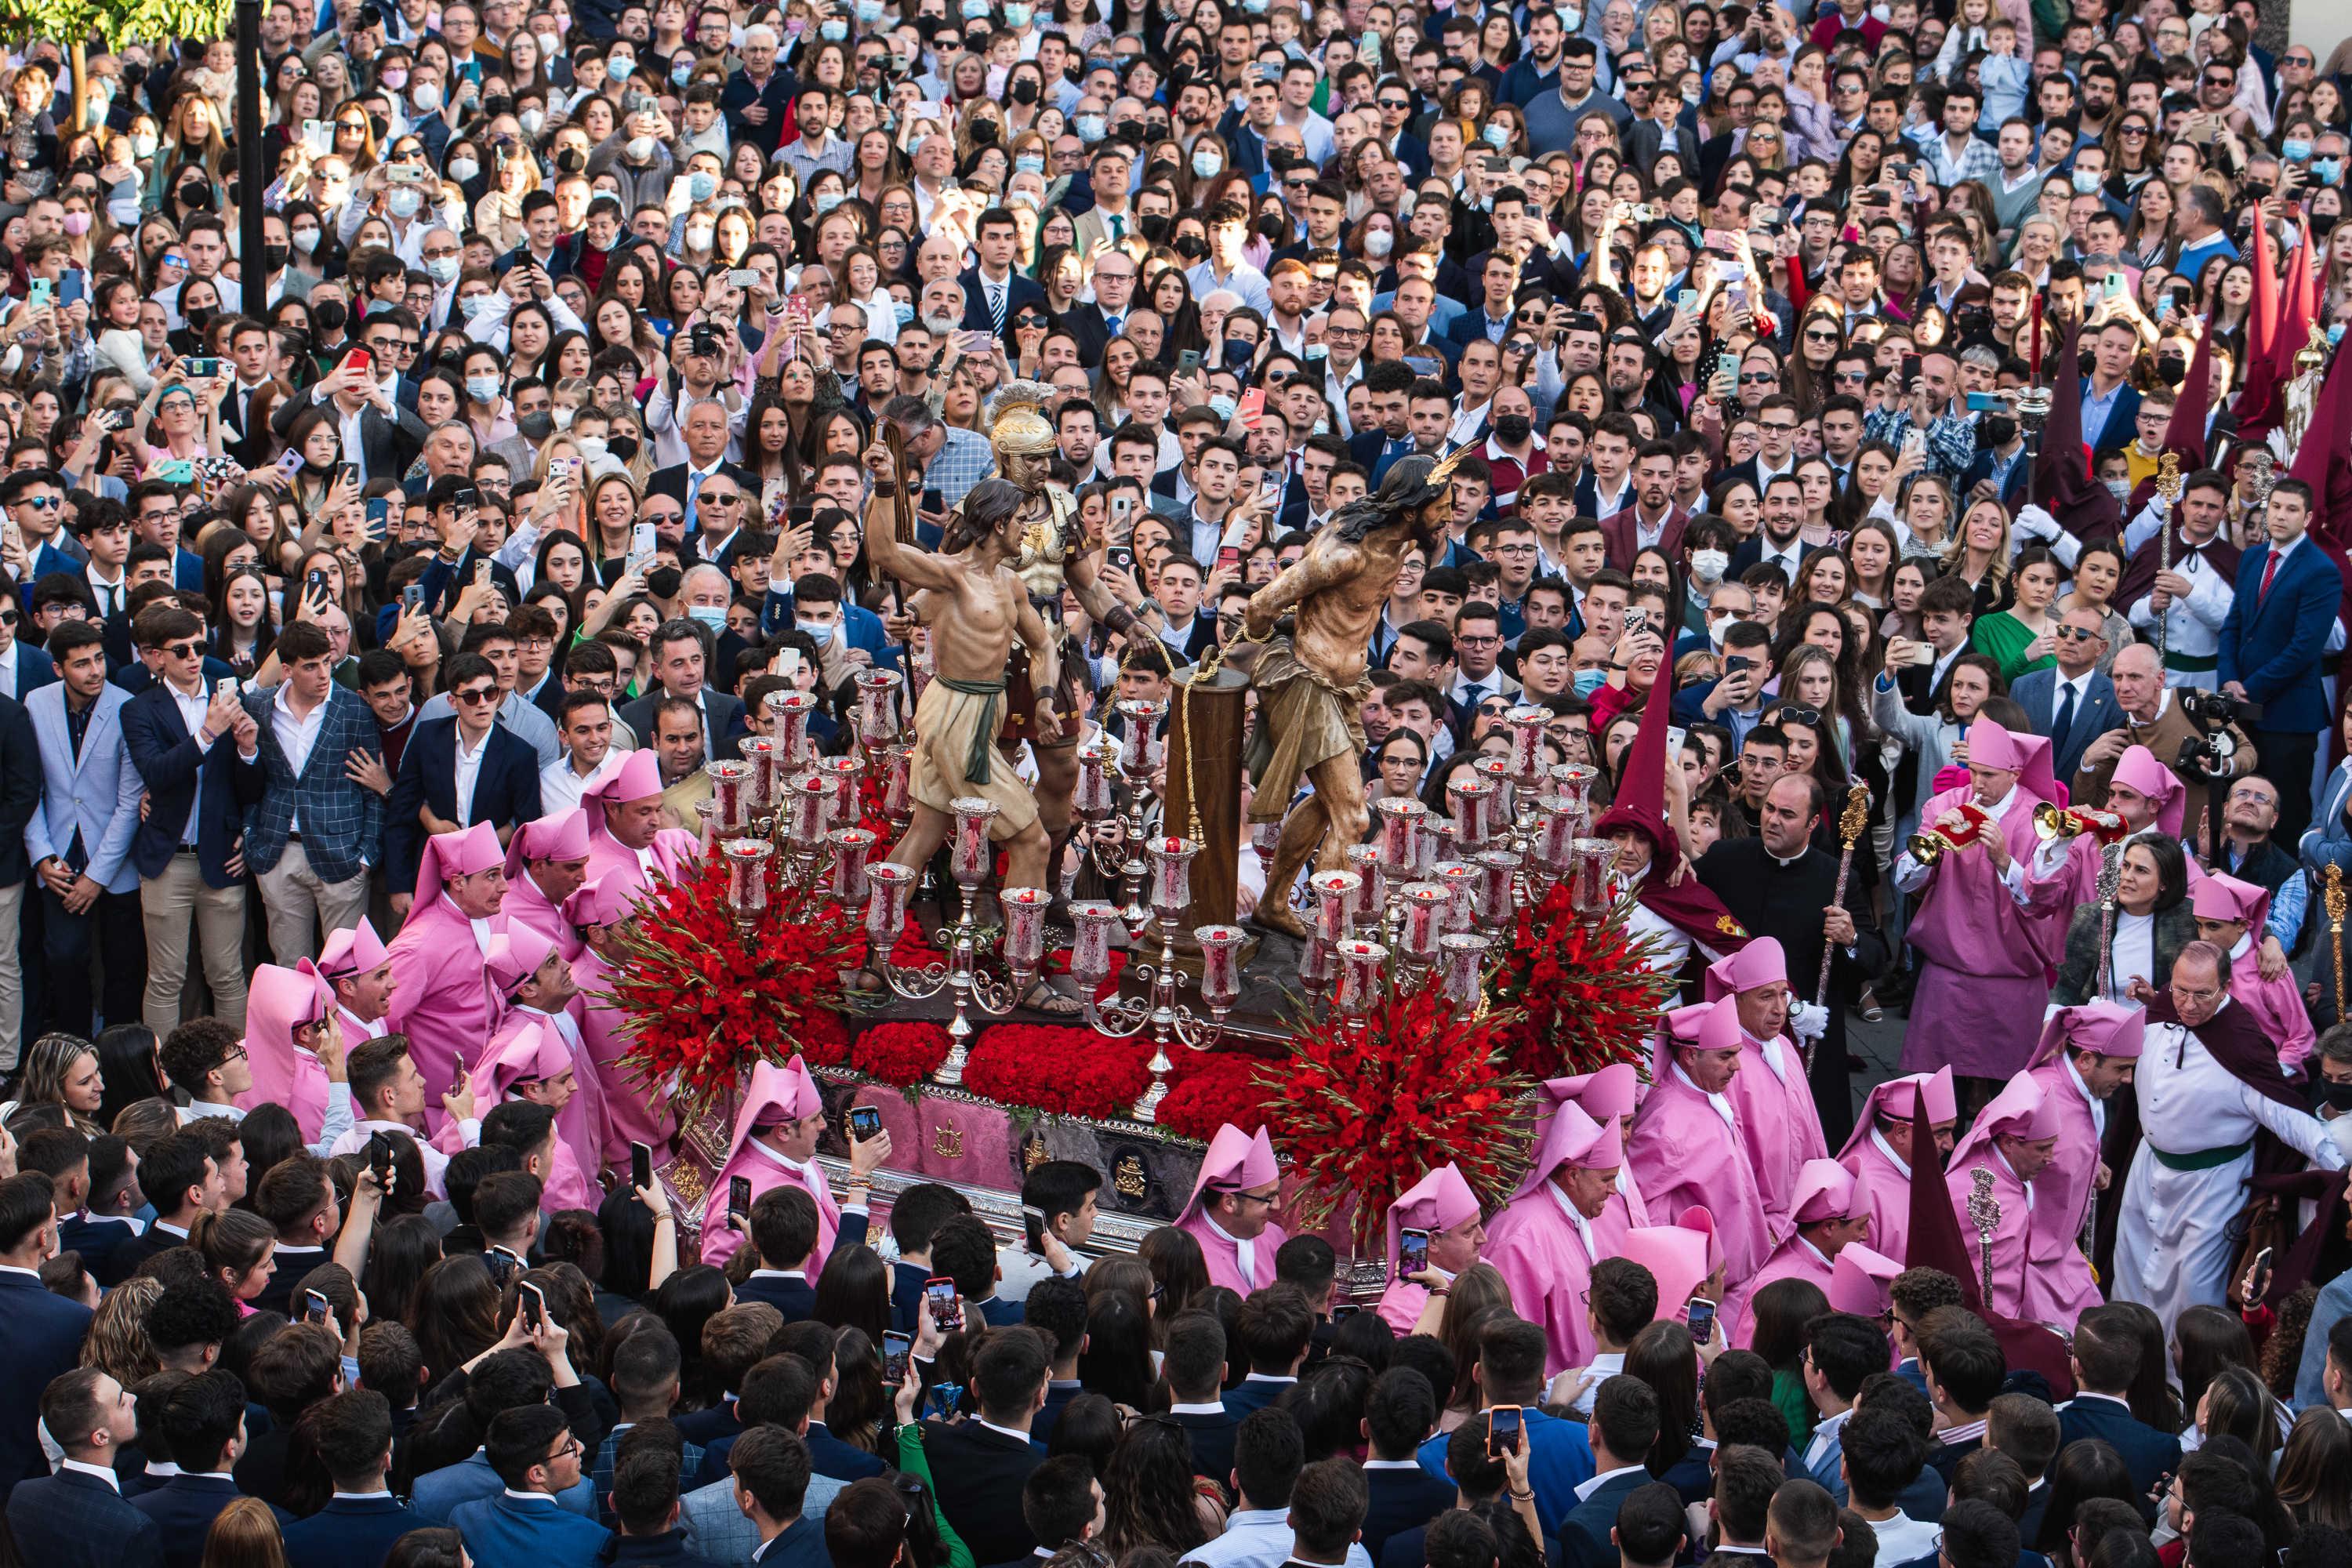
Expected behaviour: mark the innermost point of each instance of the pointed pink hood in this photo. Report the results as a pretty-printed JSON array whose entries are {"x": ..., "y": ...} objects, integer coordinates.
[
  {"x": 633, "y": 780},
  {"x": 1679, "y": 1259},
  {"x": 468, "y": 852},
  {"x": 2027, "y": 756},
  {"x": 2110, "y": 1029},
  {"x": 2225, "y": 897},
  {"x": 1761, "y": 962},
  {"x": 1895, "y": 1098},
  {"x": 1236, "y": 1161},
  {"x": 1439, "y": 1200},
  {"x": 348, "y": 955},
  {"x": 562, "y": 837},
  {"x": 1573, "y": 1139},
  {"x": 1827, "y": 1190},
  {"x": 277, "y": 1002},
  {"x": 515, "y": 955},
  {"x": 2138, "y": 769},
  {"x": 1859, "y": 1282}
]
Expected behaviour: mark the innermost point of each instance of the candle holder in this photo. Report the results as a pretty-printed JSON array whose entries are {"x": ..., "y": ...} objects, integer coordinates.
[
  {"x": 1360, "y": 964},
  {"x": 767, "y": 785},
  {"x": 706, "y": 812},
  {"x": 847, "y": 878},
  {"x": 970, "y": 858},
  {"x": 1140, "y": 756},
  {"x": 1572, "y": 782},
  {"x": 1473, "y": 800},
  {"x": 1589, "y": 892},
  {"x": 877, "y": 707},
  {"x": 1169, "y": 1020},
  {"x": 747, "y": 881},
  {"x": 1492, "y": 899},
  {"x": 788, "y": 717},
  {"x": 1463, "y": 960},
  {"x": 731, "y": 786},
  {"x": 1371, "y": 897},
  {"x": 1400, "y": 820},
  {"x": 1424, "y": 910},
  {"x": 807, "y": 816},
  {"x": 1459, "y": 879}
]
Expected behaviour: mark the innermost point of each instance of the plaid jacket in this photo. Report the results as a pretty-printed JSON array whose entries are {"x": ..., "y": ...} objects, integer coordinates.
[{"x": 342, "y": 823}]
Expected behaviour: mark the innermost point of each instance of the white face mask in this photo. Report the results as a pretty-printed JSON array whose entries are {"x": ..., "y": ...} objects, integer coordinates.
[
  {"x": 591, "y": 447},
  {"x": 562, "y": 417},
  {"x": 1716, "y": 628},
  {"x": 1709, "y": 565}
]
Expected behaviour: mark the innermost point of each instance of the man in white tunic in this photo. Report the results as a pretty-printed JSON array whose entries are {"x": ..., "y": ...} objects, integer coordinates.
[{"x": 2208, "y": 1084}]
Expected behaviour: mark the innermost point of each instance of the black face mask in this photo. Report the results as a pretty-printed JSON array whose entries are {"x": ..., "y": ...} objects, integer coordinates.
[
  {"x": 1999, "y": 429},
  {"x": 983, "y": 132},
  {"x": 1275, "y": 227},
  {"x": 1153, "y": 225},
  {"x": 382, "y": 127},
  {"x": 662, "y": 582},
  {"x": 273, "y": 256},
  {"x": 1511, "y": 430},
  {"x": 197, "y": 316},
  {"x": 536, "y": 426},
  {"x": 570, "y": 160},
  {"x": 494, "y": 106},
  {"x": 1157, "y": 170},
  {"x": 2338, "y": 1095},
  {"x": 1191, "y": 246},
  {"x": 328, "y": 314},
  {"x": 1025, "y": 91},
  {"x": 197, "y": 194},
  {"x": 625, "y": 448},
  {"x": 1129, "y": 132},
  {"x": 2086, "y": 362},
  {"x": 2172, "y": 371},
  {"x": 133, "y": 74}
]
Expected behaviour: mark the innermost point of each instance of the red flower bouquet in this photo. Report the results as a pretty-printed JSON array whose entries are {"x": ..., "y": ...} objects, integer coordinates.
[
  {"x": 1207, "y": 1090},
  {"x": 1583, "y": 992},
  {"x": 900, "y": 1054},
  {"x": 1060, "y": 1071},
  {"x": 709, "y": 1000},
  {"x": 1367, "y": 1112}
]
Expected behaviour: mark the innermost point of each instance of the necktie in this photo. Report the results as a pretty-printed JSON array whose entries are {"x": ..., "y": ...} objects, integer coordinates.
[
  {"x": 1111, "y": 324},
  {"x": 1473, "y": 696},
  {"x": 2066, "y": 721},
  {"x": 693, "y": 493},
  {"x": 1118, "y": 225},
  {"x": 2269, "y": 572},
  {"x": 996, "y": 305}
]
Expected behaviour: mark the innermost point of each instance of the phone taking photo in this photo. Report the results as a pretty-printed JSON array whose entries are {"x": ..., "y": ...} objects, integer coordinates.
[
  {"x": 1504, "y": 1425},
  {"x": 1702, "y": 1319},
  {"x": 739, "y": 1204},
  {"x": 641, "y": 1166},
  {"x": 1413, "y": 1252},
  {"x": 534, "y": 1306},
  {"x": 895, "y": 1350},
  {"x": 865, "y": 1122},
  {"x": 939, "y": 1292}
]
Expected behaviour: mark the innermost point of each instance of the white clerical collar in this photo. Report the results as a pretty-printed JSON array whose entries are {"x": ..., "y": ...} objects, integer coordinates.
[
  {"x": 1816, "y": 1251},
  {"x": 1722, "y": 1106},
  {"x": 1583, "y": 1227},
  {"x": 2012, "y": 1171},
  {"x": 1769, "y": 1047},
  {"x": 1244, "y": 1252},
  {"x": 1897, "y": 1160},
  {"x": 794, "y": 1166},
  {"x": 100, "y": 1471}
]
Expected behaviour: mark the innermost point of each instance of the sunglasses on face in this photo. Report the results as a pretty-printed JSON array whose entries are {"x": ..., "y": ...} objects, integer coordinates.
[{"x": 478, "y": 695}]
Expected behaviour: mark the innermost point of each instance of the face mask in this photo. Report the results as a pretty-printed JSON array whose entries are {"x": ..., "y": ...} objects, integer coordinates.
[
  {"x": 570, "y": 160},
  {"x": 1206, "y": 163},
  {"x": 640, "y": 149},
  {"x": 681, "y": 68},
  {"x": 1017, "y": 17},
  {"x": 983, "y": 132},
  {"x": 1513, "y": 428},
  {"x": 821, "y": 636},
  {"x": 1497, "y": 136},
  {"x": 1708, "y": 566},
  {"x": 824, "y": 202},
  {"x": 471, "y": 306},
  {"x": 197, "y": 195},
  {"x": 662, "y": 582},
  {"x": 973, "y": 10},
  {"x": 835, "y": 30},
  {"x": 698, "y": 237},
  {"x": 1588, "y": 681},
  {"x": 482, "y": 388},
  {"x": 444, "y": 269},
  {"x": 1223, "y": 405},
  {"x": 2119, "y": 489},
  {"x": 1025, "y": 91},
  {"x": 463, "y": 169},
  {"x": 1028, "y": 163},
  {"x": 2338, "y": 1095},
  {"x": 1379, "y": 242},
  {"x": 592, "y": 447},
  {"x": 198, "y": 315},
  {"x": 273, "y": 256},
  {"x": 2335, "y": 334},
  {"x": 711, "y": 615},
  {"x": 1191, "y": 246},
  {"x": 562, "y": 417},
  {"x": 427, "y": 98},
  {"x": 395, "y": 79},
  {"x": 2294, "y": 149},
  {"x": 796, "y": 24},
  {"x": 328, "y": 314},
  {"x": 1090, "y": 129},
  {"x": 404, "y": 202},
  {"x": 625, "y": 448},
  {"x": 1718, "y": 628},
  {"x": 2085, "y": 182},
  {"x": 306, "y": 240},
  {"x": 142, "y": 145},
  {"x": 536, "y": 427},
  {"x": 1999, "y": 429},
  {"x": 549, "y": 44},
  {"x": 869, "y": 11},
  {"x": 620, "y": 65},
  {"x": 76, "y": 223},
  {"x": 701, "y": 187},
  {"x": 2326, "y": 170},
  {"x": 1153, "y": 227}
]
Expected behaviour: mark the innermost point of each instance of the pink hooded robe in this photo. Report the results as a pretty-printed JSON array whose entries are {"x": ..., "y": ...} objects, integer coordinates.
[
  {"x": 1985, "y": 975},
  {"x": 2018, "y": 1287},
  {"x": 1236, "y": 1161},
  {"x": 277, "y": 1002},
  {"x": 1686, "y": 1151},
  {"x": 673, "y": 850},
  {"x": 524, "y": 1051},
  {"x": 2067, "y": 1187},
  {"x": 2276, "y": 1005},
  {"x": 442, "y": 999},
  {"x": 562, "y": 837},
  {"x": 2076, "y": 879},
  {"x": 1544, "y": 1249},
  {"x": 1874, "y": 1162},
  {"x": 346, "y": 955},
  {"x": 1777, "y": 1120},
  {"x": 1679, "y": 1256},
  {"x": 633, "y": 1111},
  {"x": 514, "y": 957},
  {"x": 775, "y": 1094},
  {"x": 1860, "y": 1283},
  {"x": 1439, "y": 1200},
  {"x": 1825, "y": 1190}
]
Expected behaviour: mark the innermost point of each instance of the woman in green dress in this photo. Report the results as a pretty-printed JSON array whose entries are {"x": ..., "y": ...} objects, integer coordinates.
[{"x": 2018, "y": 637}]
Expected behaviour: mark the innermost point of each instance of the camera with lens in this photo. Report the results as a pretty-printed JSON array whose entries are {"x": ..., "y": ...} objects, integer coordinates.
[
  {"x": 2215, "y": 709},
  {"x": 2209, "y": 754}
]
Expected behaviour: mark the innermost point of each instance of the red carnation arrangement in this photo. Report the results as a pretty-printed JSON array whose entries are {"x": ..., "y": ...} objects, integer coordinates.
[
  {"x": 1367, "y": 1112},
  {"x": 1208, "y": 1089},
  {"x": 899, "y": 1054},
  {"x": 707, "y": 1001},
  {"x": 1583, "y": 992},
  {"x": 1060, "y": 1069}
]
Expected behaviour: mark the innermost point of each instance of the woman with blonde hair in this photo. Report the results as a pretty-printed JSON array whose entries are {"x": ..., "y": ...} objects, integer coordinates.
[
  {"x": 192, "y": 134},
  {"x": 1977, "y": 554},
  {"x": 63, "y": 1070},
  {"x": 117, "y": 1343},
  {"x": 245, "y": 1534},
  {"x": 498, "y": 214}
]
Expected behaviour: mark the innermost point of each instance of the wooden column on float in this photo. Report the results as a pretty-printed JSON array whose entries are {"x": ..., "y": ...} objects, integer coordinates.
[{"x": 1204, "y": 753}]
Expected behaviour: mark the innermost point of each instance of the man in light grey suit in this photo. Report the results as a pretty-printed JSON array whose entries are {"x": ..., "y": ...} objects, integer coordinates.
[
  {"x": 79, "y": 839},
  {"x": 719, "y": 1532}
]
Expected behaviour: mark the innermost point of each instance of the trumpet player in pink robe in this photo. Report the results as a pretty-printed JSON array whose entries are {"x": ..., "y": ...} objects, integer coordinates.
[
  {"x": 2064, "y": 872},
  {"x": 1831, "y": 1212},
  {"x": 1984, "y": 953},
  {"x": 2013, "y": 1140},
  {"x": 546, "y": 864},
  {"x": 1549, "y": 1235},
  {"x": 1442, "y": 1203},
  {"x": 1687, "y": 1151},
  {"x": 1879, "y": 1153},
  {"x": 2231, "y": 915},
  {"x": 596, "y": 923},
  {"x": 1777, "y": 1120},
  {"x": 1231, "y": 1211},
  {"x": 441, "y": 1000},
  {"x": 2088, "y": 1055}
]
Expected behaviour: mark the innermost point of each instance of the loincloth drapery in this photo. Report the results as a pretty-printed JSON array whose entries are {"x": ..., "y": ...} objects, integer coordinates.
[
  {"x": 1301, "y": 721},
  {"x": 951, "y": 726}
]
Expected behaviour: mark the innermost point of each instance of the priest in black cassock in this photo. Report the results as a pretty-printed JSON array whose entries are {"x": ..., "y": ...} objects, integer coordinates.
[{"x": 1780, "y": 884}]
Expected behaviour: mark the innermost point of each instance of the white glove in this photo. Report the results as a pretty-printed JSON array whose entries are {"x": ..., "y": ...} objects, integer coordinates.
[
  {"x": 2339, "y": 1131},
  {"x": 1809, "y": 1020},
  {"x": 2035, "y": 522}
]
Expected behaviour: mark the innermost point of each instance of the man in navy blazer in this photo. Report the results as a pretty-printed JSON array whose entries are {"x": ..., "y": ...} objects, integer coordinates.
[
  {"x": 1624, "y": 1424},
  {"x": 504, "y": 785},
  {"x": 2077, "y": 641},
  {"x": 364, "y": 1519},
  {"x": 996, "y": 238},
  {"x": 1400, "y": 1494},
  {"x": 204, "y": 1425},
  {"x": 2106, "y": 1360},
  {"x": 76, "y": 1518},
  {"x": 2285, "y": 603},
  {"x": 527, "y": 1526},
  {"x": 194, "y": 824}
]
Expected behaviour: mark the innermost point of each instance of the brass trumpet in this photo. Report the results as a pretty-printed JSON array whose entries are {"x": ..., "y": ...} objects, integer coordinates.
[
  {"x": 2050, "y": 822},
  {"x": 1932, "y": 846}
]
